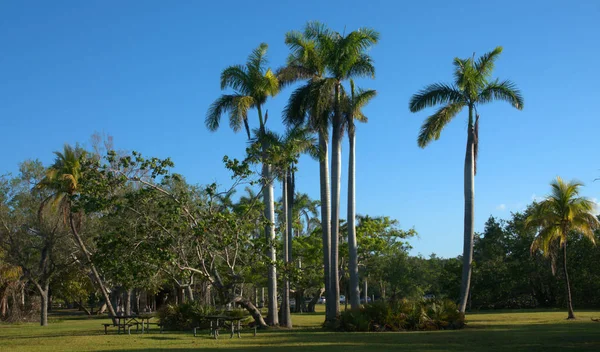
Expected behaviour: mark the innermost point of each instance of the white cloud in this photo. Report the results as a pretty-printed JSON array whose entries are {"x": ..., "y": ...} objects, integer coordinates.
[{"x": 501, "y": 207}]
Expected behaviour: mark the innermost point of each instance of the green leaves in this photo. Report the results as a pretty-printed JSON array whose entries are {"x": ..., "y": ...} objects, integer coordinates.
[
  {"x": 435, "y": 94},
  {"x": 471, "y": 86},
  {"x": 252, "y": 85},
  {"x": 561, "y": 212},
  {"x": 433, "y": 126}
]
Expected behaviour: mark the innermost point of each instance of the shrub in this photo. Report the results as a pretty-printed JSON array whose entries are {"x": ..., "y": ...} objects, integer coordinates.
[
  {"x": 401, "y": 315},
  {"x": 188, "y": 315}
]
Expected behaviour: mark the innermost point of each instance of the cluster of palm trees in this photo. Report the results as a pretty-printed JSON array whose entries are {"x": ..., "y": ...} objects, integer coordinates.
[
  {"x": 324, "y": 60},
  {"x": 326, "y": 104}
]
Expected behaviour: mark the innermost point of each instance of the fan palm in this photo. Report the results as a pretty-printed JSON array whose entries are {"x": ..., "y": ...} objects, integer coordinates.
[
  {"x": 472, "y": 86},
  {"x": 563, "y": 212},
  {"x": 252, "y": 84},
  {"x": 353, "y": 105},
  {"x": 63, "y": 180}
]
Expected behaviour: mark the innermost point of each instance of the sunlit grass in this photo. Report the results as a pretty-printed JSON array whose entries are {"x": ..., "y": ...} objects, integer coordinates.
[{"x": 496, "y": 331}]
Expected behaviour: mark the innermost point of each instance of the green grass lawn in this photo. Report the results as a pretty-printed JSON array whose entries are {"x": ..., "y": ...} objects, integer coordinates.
[{"x": 498, "y": 331}]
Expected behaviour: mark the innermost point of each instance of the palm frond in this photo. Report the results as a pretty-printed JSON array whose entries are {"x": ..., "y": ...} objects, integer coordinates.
[
  {"x": 235, "y": 77},
  {"x": 257, "y": 59},
  {"x": 505, "y": 91},
  {"x": 222, "y": 105},
  {"x": 485, "y": 63},
  {"x": 434, "y": 124},
  {"x": 434, "y": 94}
]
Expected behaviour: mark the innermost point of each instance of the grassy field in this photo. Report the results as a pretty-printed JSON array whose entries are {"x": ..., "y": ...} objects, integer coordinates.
[{"x": 498, "y": 331}]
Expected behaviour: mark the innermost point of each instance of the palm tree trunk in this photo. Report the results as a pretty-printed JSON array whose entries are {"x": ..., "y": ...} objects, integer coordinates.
[
  {"x": 285, "y": 301},
  {"x": 366, "y": 293},
  {"x": 352, "y": 245},
  {"x": 290, "y": 231},
  {"x": 567, "y": 283},
  {"x": 336, "y": 175},
  {"x": 469, "y": 189},
  {"x": 82, "y": 247},
  {"x": 268, "y": 199},
  {"x": 325, "y": 216}
]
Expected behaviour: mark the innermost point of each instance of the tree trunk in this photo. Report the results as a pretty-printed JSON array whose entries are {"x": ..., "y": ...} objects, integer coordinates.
[
  {"x": 352, "y": 245},
  {"x": 313, "y": 302},
  {"x": 567, "y": 283},
  {"x": 336, "y": 174},
  {"x": 469, "y": 194},
  {"x": 325, "y": 216},
  {"x": 285, "y": 300},
  {"x": 82, "y": 307},
  {"x": 99, "y": 283},
  {"x": 262, "y": 297},
  {"x": 128, "y": 301},
  {"x": 268, "y": 198},
  {"x": 44, "y": 309},
  {"x": 251, "y": 308},
  {"x": 189, "y": 292},
  {"x": 366, "y": 293}
]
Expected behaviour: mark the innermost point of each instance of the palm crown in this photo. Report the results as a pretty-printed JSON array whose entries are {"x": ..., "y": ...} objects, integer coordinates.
[
  {"x": 561, "y": 212},
  {"x": 252, "y": 84},
  {"x": 472, "y": 86}
]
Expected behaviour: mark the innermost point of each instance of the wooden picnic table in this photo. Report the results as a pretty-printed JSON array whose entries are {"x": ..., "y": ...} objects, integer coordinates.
[
  {"x": 127, "y": 321},
  {"x": 219, "y": 321}
]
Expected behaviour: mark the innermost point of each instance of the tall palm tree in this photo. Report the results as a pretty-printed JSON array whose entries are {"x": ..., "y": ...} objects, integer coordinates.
[
  {"x": 346, "y": 58},
  {"x": 312, "y": 100},
  {"x": 472, "y": 86},
  {"x": 63, "y": 179},
  {"x": 562, "y": 212},
  {"x": 353, "y": 105},
  {"x": 253, "y": 84}
]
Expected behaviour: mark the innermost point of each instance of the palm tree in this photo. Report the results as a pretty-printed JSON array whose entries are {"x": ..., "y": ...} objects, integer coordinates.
[
  {"x": 472, "y": 86},
  {"x": 353, "y": 111},
  {"x": 562, "y": 213},
  {"x": 252, "y": 83},
  {"x": 63, "y": 180},
  {"x": 307, "y": 62},
  {"x": 346, "y": 58},
  {"x": 297, "y": 140}
]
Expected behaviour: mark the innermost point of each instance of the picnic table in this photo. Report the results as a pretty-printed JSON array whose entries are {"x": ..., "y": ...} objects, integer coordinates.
[
  {"x": 223, "y": 321},
  {"x": 127, "y": 321}
]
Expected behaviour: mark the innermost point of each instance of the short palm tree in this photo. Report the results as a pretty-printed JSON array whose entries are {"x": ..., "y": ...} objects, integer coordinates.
[
  {"x": 472, "y": 86},
  {"x": 296, "y": 141},
  {"x": 562, "y": 213},
  {"x": 353, "y": 105},
  {"x": 252, "y": 84},
  {"x": 63, "y": 180}
]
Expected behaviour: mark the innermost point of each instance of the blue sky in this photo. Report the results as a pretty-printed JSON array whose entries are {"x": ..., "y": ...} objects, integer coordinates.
[{"x": 145, "y": 72}]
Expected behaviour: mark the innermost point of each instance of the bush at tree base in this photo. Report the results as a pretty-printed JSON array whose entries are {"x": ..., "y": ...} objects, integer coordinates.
[{"x": 401, "y": 315}]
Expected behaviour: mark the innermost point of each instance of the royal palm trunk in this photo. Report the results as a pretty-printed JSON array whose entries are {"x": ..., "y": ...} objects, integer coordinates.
[
  {"x": 336, "y": 174},
  {"x": 469, "y": 193},
  {"x": 268, "y": 199},
  {"x": 352, "y": 246},
  {"x": 325, "y": 216},
  {"x": 285, "y": 302}
]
